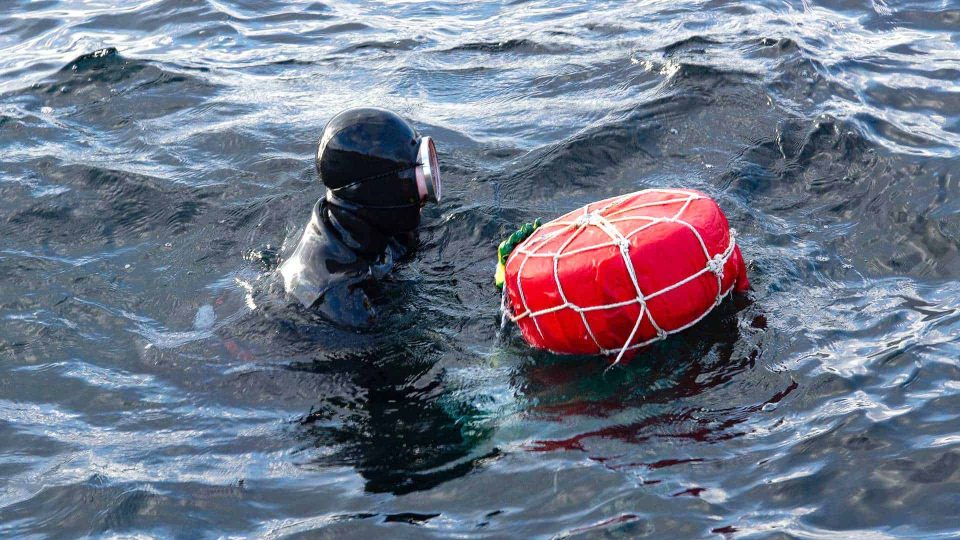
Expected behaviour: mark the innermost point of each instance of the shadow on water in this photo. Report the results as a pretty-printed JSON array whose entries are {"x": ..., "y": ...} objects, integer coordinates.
[
  {"x": 699, "y": 359},
  {"x": 379, "y": 399},
  {"x": 673, "y": 386},
  {"x": 388, "y": 410},
  {"x": 397, "y": 425}
]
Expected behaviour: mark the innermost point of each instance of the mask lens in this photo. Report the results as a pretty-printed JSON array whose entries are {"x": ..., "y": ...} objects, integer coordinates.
[{"x": 428, "y": 173}]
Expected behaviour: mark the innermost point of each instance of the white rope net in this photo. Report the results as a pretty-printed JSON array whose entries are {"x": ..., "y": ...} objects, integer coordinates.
[{"x": 612, "y": 220}]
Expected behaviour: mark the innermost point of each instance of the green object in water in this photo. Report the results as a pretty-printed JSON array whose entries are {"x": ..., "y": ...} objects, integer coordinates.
[{"x": 508, "y": 245}]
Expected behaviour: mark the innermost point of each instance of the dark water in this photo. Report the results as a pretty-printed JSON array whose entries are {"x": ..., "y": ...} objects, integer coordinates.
[{"x": 156, "y": 159}]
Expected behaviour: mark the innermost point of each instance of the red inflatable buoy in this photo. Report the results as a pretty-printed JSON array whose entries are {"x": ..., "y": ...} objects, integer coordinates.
[{"x": 621, "y": 273}]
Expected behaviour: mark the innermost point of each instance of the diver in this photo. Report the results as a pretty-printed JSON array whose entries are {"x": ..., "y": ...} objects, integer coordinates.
[{"x": 378, "y": 173}]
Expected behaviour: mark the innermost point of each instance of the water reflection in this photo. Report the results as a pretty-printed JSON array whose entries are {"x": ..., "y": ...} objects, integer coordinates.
[
  {"x": 392, "y": 420},
  {"x": 392, "y": 413},
  {"x": 666, "y": 390}
]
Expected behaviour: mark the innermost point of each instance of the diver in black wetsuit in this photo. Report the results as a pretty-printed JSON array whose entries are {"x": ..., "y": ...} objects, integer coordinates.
[{"x": 379, "y": 172}]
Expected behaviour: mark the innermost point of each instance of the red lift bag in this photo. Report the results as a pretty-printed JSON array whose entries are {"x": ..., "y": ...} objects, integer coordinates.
[{"x": 621, "y": 273}]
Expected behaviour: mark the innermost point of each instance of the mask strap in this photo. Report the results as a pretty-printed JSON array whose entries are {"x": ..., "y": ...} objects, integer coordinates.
[
  {"x": 347, "y": 205},
  {"x": 375, "y": 177}
]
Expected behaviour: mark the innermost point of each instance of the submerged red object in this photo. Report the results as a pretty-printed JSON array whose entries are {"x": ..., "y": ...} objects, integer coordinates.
[{"x": 619, "y": 274}]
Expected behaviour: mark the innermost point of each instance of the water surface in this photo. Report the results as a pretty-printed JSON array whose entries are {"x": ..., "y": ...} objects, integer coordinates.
[{"x": 157, "y": 161}]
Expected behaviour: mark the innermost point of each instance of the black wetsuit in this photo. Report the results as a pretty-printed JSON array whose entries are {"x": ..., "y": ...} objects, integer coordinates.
[{"x": 337, "y": 254}]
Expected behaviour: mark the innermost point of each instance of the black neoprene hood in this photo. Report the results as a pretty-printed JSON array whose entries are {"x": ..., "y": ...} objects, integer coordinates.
[{"x": 368, "y": 157}]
